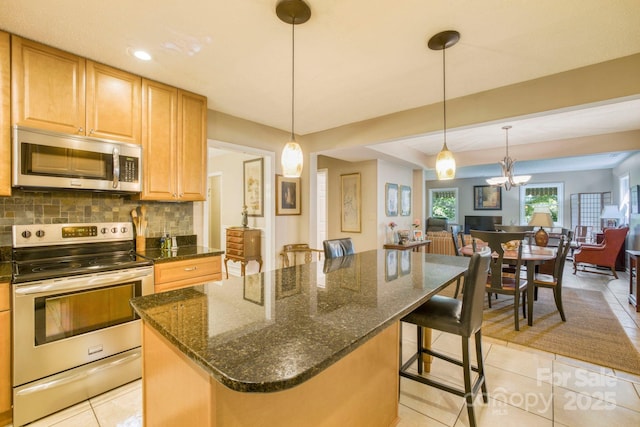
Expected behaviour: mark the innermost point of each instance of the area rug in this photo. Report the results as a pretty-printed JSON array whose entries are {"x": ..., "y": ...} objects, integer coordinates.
[{"x": 591, "y": 333}]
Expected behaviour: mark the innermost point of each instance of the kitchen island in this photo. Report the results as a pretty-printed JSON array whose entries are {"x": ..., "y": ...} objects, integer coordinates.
[{"x": 313, "y": 344}]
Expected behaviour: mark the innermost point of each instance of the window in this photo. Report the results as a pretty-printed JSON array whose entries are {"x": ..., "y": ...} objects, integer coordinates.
[
  {"x": 443, "y": 203},
  {"x": 548, "y": 195},
  {"x": 624, "y": 199}
]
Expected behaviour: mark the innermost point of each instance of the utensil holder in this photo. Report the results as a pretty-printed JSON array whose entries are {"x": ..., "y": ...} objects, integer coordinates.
[{"x": 141, "y": 243}]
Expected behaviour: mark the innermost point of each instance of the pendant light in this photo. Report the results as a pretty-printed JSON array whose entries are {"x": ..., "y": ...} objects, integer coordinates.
[
  {"x": 292, "y": 12},
  {"x": 445, "y": 163},
  {"x": 508, "y": 179}
]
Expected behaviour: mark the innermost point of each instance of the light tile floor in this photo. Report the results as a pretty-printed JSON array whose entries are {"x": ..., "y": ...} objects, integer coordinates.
[{"x": 527, "y": 387}]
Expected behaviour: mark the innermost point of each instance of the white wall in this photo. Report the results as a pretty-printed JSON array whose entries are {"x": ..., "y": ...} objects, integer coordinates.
[{"x": 393, "y": 174}]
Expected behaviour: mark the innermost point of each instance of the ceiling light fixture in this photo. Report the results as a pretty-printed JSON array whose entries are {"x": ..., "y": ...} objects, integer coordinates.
[
  {"x": 142, "y": 55},
  {"x": 292, "y": 12},
  {"x": 508, "y": 180},
  {"x": 445, "y": 163}
]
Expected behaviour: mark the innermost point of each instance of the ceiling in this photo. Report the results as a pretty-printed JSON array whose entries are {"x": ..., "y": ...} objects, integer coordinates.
[{"x": 355, "y": 59}]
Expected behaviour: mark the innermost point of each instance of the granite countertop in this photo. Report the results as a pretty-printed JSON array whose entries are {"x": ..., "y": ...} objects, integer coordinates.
[
  {"x": 183, "y": 252},
  {"x": 272, "y": 331},
  {"x": 5, "y": 271}
]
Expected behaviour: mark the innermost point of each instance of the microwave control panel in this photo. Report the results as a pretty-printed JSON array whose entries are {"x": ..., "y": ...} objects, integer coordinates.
[{"x": 129, "y": 168}]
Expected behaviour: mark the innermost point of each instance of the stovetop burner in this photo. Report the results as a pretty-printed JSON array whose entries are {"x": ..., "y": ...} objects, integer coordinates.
[{"x": 61, "y": 250}]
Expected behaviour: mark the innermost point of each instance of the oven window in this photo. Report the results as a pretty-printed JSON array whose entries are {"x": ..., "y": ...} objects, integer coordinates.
[{"x": 66, "y": 315}]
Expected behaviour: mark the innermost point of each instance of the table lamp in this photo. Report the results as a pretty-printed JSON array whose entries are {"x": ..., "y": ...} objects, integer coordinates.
[
  {"x": 541, "y": 218},
  {"x": 610, "y": 216}
]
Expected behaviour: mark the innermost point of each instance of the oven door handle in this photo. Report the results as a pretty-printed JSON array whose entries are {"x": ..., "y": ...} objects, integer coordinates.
[{"x": 81, "y": 283}]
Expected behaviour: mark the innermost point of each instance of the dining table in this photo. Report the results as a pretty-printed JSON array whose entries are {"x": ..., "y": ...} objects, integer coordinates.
[{"x": 532, "y": 256}]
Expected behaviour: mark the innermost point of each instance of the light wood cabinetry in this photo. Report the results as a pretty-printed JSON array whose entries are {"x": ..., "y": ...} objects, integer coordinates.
[
  {"x": 178, "y": 274},
  {"x": 113, "y": 103},
  {"x": 5, "y": 355},
  {"x": 174, "y": 143},
  {"x": 58, "y": 91},
  {"x": 243, "y": 245},
  {"x": 5, "y": 114}
]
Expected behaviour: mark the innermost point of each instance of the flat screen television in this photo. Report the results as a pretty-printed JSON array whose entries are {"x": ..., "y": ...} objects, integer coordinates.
[{"x": 478, "y": 222}]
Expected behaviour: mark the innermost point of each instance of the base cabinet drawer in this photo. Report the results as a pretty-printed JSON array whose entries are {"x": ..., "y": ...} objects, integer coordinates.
[{"x": 178, "y": 274}]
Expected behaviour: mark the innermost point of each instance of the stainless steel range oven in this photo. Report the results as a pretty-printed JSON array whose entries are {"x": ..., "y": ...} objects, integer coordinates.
[{"x": 74, "y": 333}]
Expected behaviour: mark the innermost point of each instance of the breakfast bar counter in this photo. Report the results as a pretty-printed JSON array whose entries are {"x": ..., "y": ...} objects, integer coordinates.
[{"x": 313, "y": 344}]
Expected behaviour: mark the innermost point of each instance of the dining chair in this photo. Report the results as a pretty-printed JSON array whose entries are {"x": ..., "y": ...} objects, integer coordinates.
[
  {"x": 500, "y": 281},
  {"x": 338, "y": 247},
  {"x": 458, "y": 242},
  {"x": 457, "y": 317},
  {"x": 554, "y": 280}
]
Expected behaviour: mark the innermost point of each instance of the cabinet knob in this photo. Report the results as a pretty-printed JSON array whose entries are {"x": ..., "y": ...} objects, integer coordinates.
[
  {"x": 90, "y": 131},
  {"x": 80, "y": 129}
]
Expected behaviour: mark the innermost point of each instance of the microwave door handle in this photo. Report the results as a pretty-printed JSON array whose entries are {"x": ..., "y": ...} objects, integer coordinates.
[{"x": 116, "y": 168}]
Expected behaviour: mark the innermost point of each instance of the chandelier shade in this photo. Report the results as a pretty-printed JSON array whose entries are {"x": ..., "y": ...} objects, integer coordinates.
[
  {"x": 445, "y": 162},
  {"x": 292, "y": 12},
  {"x": 508, "y": 179}
]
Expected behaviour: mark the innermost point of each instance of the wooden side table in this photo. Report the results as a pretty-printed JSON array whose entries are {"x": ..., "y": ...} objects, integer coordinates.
[
  {"x": 633, "y": 272},
  {"x": 415, "y": 246},
  {"x": 243, "y": 245}
]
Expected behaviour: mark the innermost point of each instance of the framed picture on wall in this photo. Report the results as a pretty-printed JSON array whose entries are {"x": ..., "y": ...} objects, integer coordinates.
[
  {"x": 487, "y": 197},
  {"x": 253, "y": 187},
  {"x": 350, "y": 209},
  {"x": 405, "y": 200},
  {"x": 287, "y": 196},
  {"x": 634, "y": 199},
  {"x": 391, "y": 199}
]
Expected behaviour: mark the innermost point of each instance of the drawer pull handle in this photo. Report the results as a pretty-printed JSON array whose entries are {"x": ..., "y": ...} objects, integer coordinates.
[{"x": 191, "y": 268}]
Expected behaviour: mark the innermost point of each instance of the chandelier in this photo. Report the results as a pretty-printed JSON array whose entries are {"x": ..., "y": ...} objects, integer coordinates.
[{"x": 508, "y": 180}]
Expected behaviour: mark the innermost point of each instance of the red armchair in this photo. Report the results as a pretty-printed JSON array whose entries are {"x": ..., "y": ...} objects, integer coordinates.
[{"x": 603, "y": 254}]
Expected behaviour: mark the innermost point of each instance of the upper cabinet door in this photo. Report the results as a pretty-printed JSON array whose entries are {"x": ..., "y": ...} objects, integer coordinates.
[
  {"x": 48, "y": 87},
  {"x": 192, "y": 139},
  {"x": 5, "y": 115},
  {"x": 159, "y": 141},
  {"x": 113, "y": 103}
]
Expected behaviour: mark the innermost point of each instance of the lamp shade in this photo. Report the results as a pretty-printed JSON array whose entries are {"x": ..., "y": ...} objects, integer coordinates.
[
  {"x": 541, "y": 219},
  {"x": 291, "y": 160},
  {"x": 610, "y": 212},
  {"x": 445, "y": 164}
]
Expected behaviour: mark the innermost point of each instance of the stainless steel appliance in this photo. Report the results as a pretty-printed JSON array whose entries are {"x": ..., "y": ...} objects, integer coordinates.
[
  {"x": 74, "y": 333},
  {"x": 44, "y": 159}
]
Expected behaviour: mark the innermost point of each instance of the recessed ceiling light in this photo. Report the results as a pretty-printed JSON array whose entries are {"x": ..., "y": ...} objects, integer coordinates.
[{"x": 142, "y": 55}]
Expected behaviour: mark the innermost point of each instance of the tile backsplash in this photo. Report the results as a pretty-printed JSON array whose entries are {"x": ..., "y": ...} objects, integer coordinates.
[{"x": 27, "y": 207}]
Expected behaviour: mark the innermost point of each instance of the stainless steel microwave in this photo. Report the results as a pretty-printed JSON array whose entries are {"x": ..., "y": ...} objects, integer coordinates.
[{"x": 43, "y": 159}]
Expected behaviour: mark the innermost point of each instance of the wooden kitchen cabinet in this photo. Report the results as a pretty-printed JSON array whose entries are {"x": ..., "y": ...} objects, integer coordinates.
[
  {"x": 5, "y": 114},
  {"x": 178, "y": 274},
  {"x": 5, "y": 355},
  {"x": 174, "y": 143},
  {"x": 58, "y": 91},
  {"x": 243, "y": 245},
  {"x": 113, "y": 103}
]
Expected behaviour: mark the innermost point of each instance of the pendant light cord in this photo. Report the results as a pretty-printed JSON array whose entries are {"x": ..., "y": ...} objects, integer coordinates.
[
  {"x": 293, "y": 74},
  {"x": 444, "y": 95}
]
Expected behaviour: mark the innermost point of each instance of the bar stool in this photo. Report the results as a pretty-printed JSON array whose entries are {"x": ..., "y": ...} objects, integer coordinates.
[{"x": 462, "y": 318}]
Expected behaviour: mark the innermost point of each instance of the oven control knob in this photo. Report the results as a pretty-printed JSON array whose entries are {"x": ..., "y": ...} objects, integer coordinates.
[
  {"x": 26, "y": 234},
  {"x": 40, "y": 233},
  {"x": 104, "y": 230},
  {"x": 123, "y": 230},
  {"x": 114, "y": 230}
]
